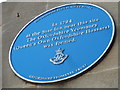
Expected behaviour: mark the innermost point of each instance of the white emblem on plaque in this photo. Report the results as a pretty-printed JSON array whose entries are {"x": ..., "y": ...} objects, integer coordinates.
[{"x": 60, "y": 57}]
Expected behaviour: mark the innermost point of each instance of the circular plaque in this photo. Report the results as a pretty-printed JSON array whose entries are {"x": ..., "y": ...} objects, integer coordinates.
[{"x": 61, "y": 43}]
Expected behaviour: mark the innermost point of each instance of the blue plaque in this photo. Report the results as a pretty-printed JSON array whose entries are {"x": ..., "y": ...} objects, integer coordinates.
[{"x": 61, "y": 43}]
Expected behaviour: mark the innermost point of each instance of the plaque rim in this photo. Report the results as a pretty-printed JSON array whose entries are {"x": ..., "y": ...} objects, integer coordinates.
[{"x": 32, "y": 81}]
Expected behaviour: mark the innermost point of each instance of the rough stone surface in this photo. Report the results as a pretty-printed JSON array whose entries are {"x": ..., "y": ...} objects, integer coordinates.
[
  {"x": 0, "y": 45},
  {"x": 62, "y": 0},
  {"x": 104, "y": 75}
]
